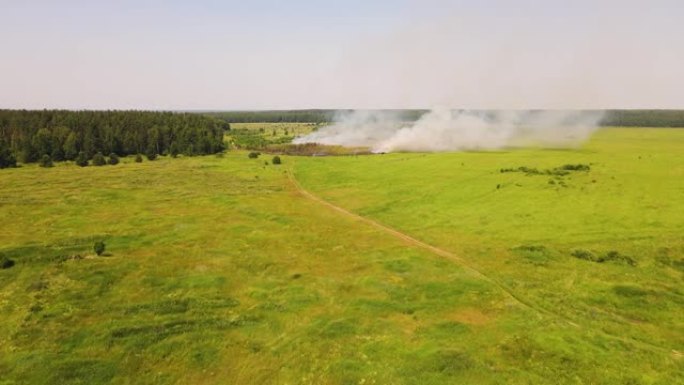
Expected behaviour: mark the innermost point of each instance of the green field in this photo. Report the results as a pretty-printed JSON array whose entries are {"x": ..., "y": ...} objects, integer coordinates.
[{"x": 420, "y": 269}]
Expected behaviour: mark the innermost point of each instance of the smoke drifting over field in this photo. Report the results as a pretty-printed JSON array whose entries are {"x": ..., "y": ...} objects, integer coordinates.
[{"x": 444, "y": 129}]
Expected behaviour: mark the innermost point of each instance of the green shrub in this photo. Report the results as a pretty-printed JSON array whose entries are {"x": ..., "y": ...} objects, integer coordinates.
[
  {"x": 99, "y": 159},
  {"x": 113, "y": 159},
  {"x": 151, "y": 155},
  {"x": 253, "y": 155},
  {"x": 81, "y": 159},
  {"x": 611, "y": 256},
  {"x": 575, "y": 167},
  {"x": 615, "y": 256},
  {"x": 99, "y": 247},
  {"x": 5, "y": 263},
  {"x": 276, "y": 160},
  {"x": 7, "y": 159},
  {"x": 46, "y": 161},
  {"x": 138, "y": 158},
  {"x": 583, "y": 254},
  {"x": 558, "y": 171}
]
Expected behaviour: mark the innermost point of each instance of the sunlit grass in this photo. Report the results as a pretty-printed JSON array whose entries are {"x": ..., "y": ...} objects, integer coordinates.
[{"x": 219, "y": 271}]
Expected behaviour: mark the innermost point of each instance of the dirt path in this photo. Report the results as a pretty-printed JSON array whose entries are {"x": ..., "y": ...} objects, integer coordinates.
[
  {"x": 420, "y": 244},
  {"x": 472, "y": 270}
]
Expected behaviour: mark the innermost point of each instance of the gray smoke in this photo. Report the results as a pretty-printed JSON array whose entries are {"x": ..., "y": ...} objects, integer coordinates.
[{"x": 444, "y": 129}]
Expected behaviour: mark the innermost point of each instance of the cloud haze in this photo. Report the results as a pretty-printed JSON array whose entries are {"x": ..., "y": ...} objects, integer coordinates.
[{"x": 303, "y": 54}]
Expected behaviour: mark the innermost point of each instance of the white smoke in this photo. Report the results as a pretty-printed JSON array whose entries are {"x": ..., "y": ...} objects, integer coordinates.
[{"x": 443, "y": 129}]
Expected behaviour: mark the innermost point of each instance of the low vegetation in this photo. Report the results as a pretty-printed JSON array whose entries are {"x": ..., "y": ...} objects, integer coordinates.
[
  {"x": 249, "y": 280},
  {"x": 5, "y": 263},
  {"x": 610, "y": 256},
  {"x": 99, "y": 247},
  {"x": 557, "y": 171}
]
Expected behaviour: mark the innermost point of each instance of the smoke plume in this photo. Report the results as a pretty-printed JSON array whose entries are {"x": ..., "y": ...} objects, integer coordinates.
[{"x": 443, "y": 129}]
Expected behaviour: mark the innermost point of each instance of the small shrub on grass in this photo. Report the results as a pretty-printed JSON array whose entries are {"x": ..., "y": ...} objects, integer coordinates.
[
  {"x": 99, "y": 247},
  {"x": 583, "y": 254},
  {"x": 575, "y": 167},
  {"x": 138, "y": 158},
  {"x": 615, "y": 256},
  {"x": 611, "y": 256},
  {"x": 276, "y": 160},
  {"x": 113, "y": 159},
  {"x": 535, "y": 254},
  {"x": 99, "y": 159},
  {"x": 151, "y": 155},
  {"x": 81, "y": 159},
  {"x": 5, "y": 263},
  {"x": 46, "y": 161},
  {"x": 253, "y": 155}
]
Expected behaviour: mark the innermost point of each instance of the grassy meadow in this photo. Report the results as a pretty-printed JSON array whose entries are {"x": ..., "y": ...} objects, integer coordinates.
[{"x": 218, "y": 270}]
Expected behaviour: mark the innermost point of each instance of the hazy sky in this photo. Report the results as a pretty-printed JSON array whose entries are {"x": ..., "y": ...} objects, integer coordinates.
[{"x": 267, "y": 54}]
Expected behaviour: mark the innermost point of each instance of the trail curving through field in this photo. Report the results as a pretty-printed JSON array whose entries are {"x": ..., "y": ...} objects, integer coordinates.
[
  {"x": 420, "y": 244},
  {"x": 471, "y": 269}
]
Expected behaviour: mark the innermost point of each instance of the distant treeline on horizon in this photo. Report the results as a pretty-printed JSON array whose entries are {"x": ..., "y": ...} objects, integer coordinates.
[{"x": 628, "y": 118}]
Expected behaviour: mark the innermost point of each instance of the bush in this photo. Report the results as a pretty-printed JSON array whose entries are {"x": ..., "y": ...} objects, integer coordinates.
[
  {"x": 583, "y": 254},
  {"x": 575, "y": 167},
  {"x": 151, "y": 155},
  {"x": 615, "y": 256},
  {"x": 81, "y": 159},
  {"x": 99, "y": 159},
  {"x": 46, "y": 161},
  {"x": 253, "y": 155},
  {"x": 611, "y": 256},
  {"x": 99, "y": 247},
  {"x": 113, "y": 159},
  {"x": 5, "y": 263},
  {"x": 138, "y": 158},
  {"x": 7, "y": 159},
  {"x": 276, "y": 160}
]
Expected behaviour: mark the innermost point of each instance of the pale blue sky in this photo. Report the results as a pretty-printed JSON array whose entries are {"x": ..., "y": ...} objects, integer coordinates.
[{"x": 268, "y": 54}]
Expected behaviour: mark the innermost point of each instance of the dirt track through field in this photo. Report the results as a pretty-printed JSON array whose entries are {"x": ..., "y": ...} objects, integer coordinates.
[
  {"x": 470, "y": 269},
  {"x": 420, "y": 244}
]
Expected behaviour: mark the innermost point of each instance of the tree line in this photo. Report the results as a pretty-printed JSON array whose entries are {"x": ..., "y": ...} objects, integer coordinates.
[
  {"x": 644, "y": 118},
  {"x": 629, "y": 118},
  {"x": 27, "y": 136},
  {"x": 275, "y": 116},
  {"x": 302, "y": 116}
]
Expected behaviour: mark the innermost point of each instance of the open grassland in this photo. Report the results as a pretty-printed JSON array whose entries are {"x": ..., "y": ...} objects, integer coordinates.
[
  {"x": 262, "y": 135},
  {"x": 602, "y": 249},
  {"x": 278, "y": 130},
  {"x": 220, "y": 270}
]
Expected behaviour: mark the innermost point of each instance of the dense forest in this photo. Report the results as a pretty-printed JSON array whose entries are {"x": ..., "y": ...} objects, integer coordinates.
[
  {"x": 27, "y": 136},
  {"x": 630, "y": 118},
  {"x": 644, "y": 118},
  {"x": 301, "y": 116}
]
